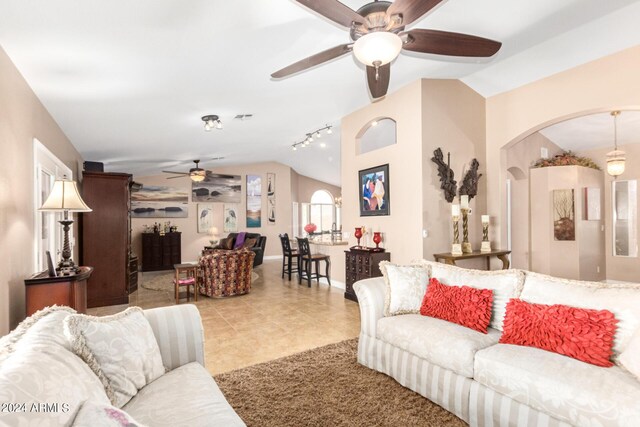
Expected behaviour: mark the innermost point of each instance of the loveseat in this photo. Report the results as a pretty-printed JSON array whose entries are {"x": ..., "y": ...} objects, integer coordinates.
[
  {"x": 258, "y": 247},
  {"x": 44, "y": 383},
  {"x": 486, "y": 383}
]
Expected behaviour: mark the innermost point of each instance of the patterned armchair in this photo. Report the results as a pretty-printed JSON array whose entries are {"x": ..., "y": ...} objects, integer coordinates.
[{"x": 225, "y": 273}]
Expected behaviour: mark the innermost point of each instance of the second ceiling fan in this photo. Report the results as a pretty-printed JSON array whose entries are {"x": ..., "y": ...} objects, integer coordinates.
[{"x": 378, "y": 36}]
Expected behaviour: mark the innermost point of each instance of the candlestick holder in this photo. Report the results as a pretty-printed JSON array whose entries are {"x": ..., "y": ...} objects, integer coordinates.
[
  {"x": 486, "y": 244},
  {"x": 466, "y": 246},
  {"x": 456, "y": 248}
]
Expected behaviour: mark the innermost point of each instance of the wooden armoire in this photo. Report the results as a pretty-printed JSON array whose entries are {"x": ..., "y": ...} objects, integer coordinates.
[{"x": 106, "y": 237}]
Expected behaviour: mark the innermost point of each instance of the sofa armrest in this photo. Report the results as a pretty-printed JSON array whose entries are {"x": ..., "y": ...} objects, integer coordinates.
[
  {"x": 179, "y": 332},
  {"x": 370, "y": 294}
]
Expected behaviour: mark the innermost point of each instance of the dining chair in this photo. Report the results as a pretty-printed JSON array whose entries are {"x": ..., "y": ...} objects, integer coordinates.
[
  {"x": 306, "y": 260},
  {"x": 288, "y": 256}
]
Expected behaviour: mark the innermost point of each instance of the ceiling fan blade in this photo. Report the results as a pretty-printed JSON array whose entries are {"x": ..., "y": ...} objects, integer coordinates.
[
  {"x": 333, "y": 10},
  {"x": 378, "y": 80},
  {"x": 411, "y": 10},
  {"x": 451, "y": 44},
  {"x": 179, "y": 173},
  {"x": 178, "y": 176},
  {"x": 313, "y": 60}
]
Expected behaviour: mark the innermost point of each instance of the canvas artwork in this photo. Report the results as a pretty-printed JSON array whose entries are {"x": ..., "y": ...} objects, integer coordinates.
[
  {"x": 157, "y": 201},
  {"x": 230, "y": 218},
  {"x": 254, "y": 201},
  {"x": 374, "y": 191},
  {"x": 271, "y": 198},
  {"x": 217, "y": 188},
  {"x": 205, "y": 217},
  {"x": 564, "y": 226}
]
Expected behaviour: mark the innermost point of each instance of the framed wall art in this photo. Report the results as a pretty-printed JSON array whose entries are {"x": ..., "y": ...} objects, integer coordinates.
[
  {"x": 254, "y": 201},
  {"x": 205, "y": 217},
  {"x": 373, "y": 185}
]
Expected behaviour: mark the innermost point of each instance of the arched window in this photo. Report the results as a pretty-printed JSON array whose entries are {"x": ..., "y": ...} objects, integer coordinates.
[
  {"x": 322, "y": 212},
  {"x": 322, "y": 197}
]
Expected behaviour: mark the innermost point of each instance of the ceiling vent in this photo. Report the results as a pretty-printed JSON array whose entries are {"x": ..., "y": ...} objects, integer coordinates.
[{"x": 243, "y": 117}]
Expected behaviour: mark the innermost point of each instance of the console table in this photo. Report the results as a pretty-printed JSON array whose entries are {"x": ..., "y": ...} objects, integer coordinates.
[
  {"x": 451, "y": 259},
  {"x": 43, "y": 291}
]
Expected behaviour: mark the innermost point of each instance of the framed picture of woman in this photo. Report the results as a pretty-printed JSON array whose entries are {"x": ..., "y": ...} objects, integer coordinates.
[{"x": 373, "y": 191}]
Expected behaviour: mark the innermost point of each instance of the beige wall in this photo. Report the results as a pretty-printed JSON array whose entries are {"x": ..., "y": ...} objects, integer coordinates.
[
  {"x": 22, "y": 118},
  {"x": 305, "y": 187},
  {"x": 618, "y": 268},
  {"x": 602, "y": 85}
]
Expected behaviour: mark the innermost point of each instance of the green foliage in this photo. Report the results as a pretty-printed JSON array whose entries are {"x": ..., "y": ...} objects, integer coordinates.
[{"x": 566, "y": 158}]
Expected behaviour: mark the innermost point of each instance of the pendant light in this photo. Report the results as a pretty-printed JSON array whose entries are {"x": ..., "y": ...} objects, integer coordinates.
[{"x": 615, "y": 158}]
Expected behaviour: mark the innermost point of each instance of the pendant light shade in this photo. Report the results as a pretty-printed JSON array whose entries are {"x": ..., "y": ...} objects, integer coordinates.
[
  {"x": 616, "y": 158},
  {"x": 379, "y": 47}
]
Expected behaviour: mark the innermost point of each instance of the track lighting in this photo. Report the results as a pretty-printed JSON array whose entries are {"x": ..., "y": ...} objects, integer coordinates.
[
  {"x": 211, "y": 121},
  {"x": 308, "y": 139}
]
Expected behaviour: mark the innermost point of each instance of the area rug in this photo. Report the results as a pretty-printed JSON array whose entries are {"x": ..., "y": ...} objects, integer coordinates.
[
  {"x": 164, "y": 282},
  {"x": 326, "y": 387}
]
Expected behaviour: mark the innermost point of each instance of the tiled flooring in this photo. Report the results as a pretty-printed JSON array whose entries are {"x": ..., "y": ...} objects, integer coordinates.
[{"x": 277, "y": 318}]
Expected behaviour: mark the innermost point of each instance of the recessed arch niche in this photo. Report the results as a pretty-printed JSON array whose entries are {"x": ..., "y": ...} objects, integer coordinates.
[{"x": 377, "y": 133}]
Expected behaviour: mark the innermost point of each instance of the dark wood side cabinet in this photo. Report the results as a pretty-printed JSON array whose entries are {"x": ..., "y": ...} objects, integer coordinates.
[
  {"x": 161, "y": 251},
  {"x": 106, "y": 237},
  {"x": 361, "y": 264},
  {"x": 44, "y": 291},
  {"x": 133, "y": 274}
]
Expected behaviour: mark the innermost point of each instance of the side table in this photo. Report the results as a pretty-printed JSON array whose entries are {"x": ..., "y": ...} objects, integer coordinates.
[
  {"x": 451, "y": 259},
  {"x": 44, "y": 291}
]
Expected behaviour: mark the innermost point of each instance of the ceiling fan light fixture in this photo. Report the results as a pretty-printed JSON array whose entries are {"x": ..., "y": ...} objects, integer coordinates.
[
  {"x": 197, "y": 175},
  {"x": 377, "y": 48}
]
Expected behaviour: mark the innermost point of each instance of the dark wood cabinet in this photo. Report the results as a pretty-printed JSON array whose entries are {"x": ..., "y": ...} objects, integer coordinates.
[
  {"x": 106, "y": 237},
  {"x": 361, "y": 264},
  {"x": 133, "y": 274},
  {"x": 161, "y": 251},
  {"x": 44, "y": 291}
]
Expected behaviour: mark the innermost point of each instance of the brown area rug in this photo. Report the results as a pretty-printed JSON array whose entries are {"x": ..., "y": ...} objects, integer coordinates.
[
  {"x": 164, "y": 282},
  {"x": 326, "y": 387}
]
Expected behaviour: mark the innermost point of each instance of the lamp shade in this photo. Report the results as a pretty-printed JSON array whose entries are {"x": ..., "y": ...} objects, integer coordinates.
[
  {"x": 378, "y": 46},
  {"x": 65, "y": 197},
  {"x": 615, "y": 162}
]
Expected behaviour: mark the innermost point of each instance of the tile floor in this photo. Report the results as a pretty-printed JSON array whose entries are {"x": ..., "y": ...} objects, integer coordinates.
[{"x": 277, "y": 318}]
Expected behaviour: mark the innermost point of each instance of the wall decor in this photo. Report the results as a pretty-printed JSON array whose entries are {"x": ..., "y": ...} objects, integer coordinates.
[
  {"x": 564, "y": 226},
  {"x": 157, "y": 201},
  {"x": 591, "y": 211},
  {"x": 271, "y": 198},
  {"x": 254, "y": 201},
  {"x": 217, "y": 188},
  {"x": 374, "y": 191},
  {"x": 205, "y": 217},
  {"x": 469, "y": 184},
  {"x": 230, "y": 218}
]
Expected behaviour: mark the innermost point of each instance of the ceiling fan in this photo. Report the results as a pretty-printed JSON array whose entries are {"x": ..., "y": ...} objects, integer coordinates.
[
  {"x": 377, "y": 31},
  {"x": 196, "y": 174}
]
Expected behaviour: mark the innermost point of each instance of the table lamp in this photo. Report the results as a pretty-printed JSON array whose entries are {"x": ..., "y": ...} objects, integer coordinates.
[
  {"x": 213, "y": 232},
  {"x": 64, "y": 197}
]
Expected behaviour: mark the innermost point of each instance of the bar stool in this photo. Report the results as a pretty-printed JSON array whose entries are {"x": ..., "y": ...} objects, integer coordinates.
[
  {"x": 288, "y": 256},
  {"x": 306, "y": 258},
  {"x": 188, "y": 273}
]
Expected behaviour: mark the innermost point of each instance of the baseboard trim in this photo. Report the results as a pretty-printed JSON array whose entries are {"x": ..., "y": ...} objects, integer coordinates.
[{"x": 273, "y": 257}]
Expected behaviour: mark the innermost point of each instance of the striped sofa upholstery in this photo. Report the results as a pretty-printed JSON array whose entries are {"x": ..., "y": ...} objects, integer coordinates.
[{"x": 466, "y": 398}]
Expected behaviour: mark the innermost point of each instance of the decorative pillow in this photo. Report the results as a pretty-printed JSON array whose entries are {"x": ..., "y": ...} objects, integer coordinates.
[
  {"x": 226, "y": 243},
  {"x": 249, "y": 243},
  {"x": 622, "y": 299},
  {"x": 463, "y": 305},
  {"x": 240, "y": 240},
  {"x": 121, "y": 349},
  {"x": 506, "y": 284},
  {"x": 630, "y": 358},
  {"x": 580, "y": 333},
  {"x": 405, "y": 288},
  {"x": 93, "y": 414}
]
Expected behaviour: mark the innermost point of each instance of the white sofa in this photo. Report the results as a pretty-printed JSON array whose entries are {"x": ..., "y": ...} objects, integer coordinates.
[
  {"x": 490, "y": 384},
  {"x": 38, "y": 367}
]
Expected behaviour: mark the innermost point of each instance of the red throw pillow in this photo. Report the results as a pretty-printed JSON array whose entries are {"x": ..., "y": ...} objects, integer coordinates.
[
  {"x": 581, "y": 333},
  {"x": 463, "y": 305}
]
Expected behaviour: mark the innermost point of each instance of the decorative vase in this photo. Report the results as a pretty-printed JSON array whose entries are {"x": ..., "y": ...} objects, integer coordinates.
[
  {"x": 358, "y": 234},
  {"x": 310, "y": 228},
  {"x": 377, "y": 238}
]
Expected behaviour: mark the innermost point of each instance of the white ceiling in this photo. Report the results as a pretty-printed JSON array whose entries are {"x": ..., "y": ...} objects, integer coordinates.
[
  {"x": 595, "y": 131},
  {"x": 127, "y": 81}
]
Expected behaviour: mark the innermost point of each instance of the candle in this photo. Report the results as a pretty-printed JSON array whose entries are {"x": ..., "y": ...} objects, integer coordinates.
[
  {"x": 464, "y": 201},
  {"x": 455, "y": 210},
  {"x": 485, "y": 219}
]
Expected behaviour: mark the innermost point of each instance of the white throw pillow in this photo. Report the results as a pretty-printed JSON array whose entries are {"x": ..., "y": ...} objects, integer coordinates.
[
  {"x": 630, "y": 358},
  {"x": 94, "y": 414},
  {"x": 505, "y": 284},
  {"x": 120, "y": 349},
  {"x": 406, "y": 286}
]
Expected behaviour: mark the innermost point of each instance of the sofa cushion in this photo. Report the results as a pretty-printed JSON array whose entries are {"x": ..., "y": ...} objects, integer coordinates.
[
  {"x": 121, "y": 349},
  {"x": 630, "y": 358},
  {"x": 623, "y": 300},
  {"x": 405, "y": 287},
  {"x": 565, "y": 388},
  {"x": 464, "y": 305},
  {"x": 581, "y": 333},
  {"x": 440, "y": 342},
  {"x": 506, "y": 284},
  {"x": 186, "y": 396},
  {"x": 94, "y": 414}
]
